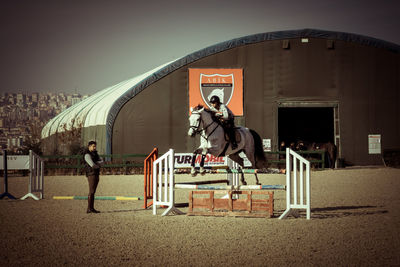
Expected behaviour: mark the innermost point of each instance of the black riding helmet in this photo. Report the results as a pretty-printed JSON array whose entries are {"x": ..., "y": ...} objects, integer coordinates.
[{"x": 215, "y": 99}]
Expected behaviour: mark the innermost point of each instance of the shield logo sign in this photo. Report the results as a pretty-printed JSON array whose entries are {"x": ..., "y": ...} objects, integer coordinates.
[
  {"x": 227, "y": 84},
  {"x": 220, "y": 85}
]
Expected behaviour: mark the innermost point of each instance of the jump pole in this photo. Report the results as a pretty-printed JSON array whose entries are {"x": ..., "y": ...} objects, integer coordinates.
[
  {"x": 96, "y": 198},
  {"x": 230, "y": 187},
  {"x": 6, "y": 194}
]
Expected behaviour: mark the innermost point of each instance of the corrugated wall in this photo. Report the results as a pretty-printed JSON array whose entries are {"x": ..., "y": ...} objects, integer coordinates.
[{"x": 364, "y": 81}]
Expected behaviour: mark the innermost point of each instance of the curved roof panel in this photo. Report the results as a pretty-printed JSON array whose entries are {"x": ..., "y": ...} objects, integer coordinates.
[
  {"x": 103, "y": 107},
  {"x": 93, "y": 110}
]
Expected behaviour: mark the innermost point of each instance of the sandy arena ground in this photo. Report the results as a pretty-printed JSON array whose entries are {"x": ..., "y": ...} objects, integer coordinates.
[{"x": 355, "y": 221}]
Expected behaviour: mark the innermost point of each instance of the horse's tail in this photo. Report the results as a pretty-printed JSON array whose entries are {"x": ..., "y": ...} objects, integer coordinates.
[{"x": 259, "y": 155}]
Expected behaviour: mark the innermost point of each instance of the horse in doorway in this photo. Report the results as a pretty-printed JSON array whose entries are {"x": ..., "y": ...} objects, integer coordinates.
[
  {"x": 213, "y": 141},
  {"x": 329, "y": 148}
]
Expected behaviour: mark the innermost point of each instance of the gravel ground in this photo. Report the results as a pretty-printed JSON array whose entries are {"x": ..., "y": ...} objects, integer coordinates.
[{"x": 355, "y": 221}]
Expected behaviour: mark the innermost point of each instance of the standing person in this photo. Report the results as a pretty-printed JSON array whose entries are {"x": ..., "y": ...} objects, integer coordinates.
[
  {"x": 92, "y": 168},
  {"x": 226, "y": 117}
]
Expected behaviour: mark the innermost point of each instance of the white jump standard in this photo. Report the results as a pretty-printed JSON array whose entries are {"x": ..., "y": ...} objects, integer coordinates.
[
  {"x": 295, "y": 202},
  {"x": 163, "y": 169}
]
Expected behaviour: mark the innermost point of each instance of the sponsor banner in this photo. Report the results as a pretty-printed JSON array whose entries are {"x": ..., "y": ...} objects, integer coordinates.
[
  {"x": 227, "y": 84},
  {"x": 184, "y": 160},
  {"x": 15, "y": 162}
]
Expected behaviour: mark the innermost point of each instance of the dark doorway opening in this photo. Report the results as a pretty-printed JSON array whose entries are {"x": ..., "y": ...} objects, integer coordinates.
[{"x": 306, "y": 124}]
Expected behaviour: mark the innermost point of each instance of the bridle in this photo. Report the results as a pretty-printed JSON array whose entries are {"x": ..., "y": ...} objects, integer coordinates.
[{"x": 199, "y": 131}]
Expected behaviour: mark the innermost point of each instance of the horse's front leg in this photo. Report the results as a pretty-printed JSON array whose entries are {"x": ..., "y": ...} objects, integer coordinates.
[
  {"x": 193, "y": 171},
  {"x": 203, "y": 152},
  {"x": 242, "y": 179},
  {"x": 203, "y": 156}
]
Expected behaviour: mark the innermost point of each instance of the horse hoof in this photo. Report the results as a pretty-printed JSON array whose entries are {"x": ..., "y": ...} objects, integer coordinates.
[
  {"x": 244, "y": 183},
  {"x": 202, "y": 171},
  {"x": 258, "y": 183}
]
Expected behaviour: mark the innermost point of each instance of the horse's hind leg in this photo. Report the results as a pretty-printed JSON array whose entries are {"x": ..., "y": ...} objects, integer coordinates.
[
  {"x": 236, "y": 158},
  {"x": 242, "y": 179},
  {"x": 251, "y": 158},
  {"x": 257, "y": 181}
]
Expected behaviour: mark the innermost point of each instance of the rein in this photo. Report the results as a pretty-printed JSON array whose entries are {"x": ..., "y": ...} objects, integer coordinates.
[{"x": 199, "y": 131}]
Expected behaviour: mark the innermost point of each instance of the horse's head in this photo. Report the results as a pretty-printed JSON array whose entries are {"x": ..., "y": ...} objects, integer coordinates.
[{"x": 195, "y": 120}]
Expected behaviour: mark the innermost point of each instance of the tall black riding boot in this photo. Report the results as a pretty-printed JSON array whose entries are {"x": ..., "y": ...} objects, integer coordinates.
[
  {"x": 91, "y": 205},
  {"x": 232, "y": 139}
]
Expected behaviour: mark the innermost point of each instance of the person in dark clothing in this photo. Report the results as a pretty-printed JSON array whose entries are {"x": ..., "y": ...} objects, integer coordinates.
[
  {"x": 92, "y": 168},
  {"x": 225, "y": 115}
]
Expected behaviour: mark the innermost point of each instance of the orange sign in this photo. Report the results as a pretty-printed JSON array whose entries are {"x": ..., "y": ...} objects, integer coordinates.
[{"x": 227, "y": 84}]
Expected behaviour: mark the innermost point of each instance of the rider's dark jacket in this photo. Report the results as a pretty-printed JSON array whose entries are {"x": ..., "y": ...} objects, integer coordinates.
[{"x": 95, "y": 158}]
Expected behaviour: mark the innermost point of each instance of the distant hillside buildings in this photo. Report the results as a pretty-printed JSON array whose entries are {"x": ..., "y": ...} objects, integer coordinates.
[{"x": 22, "y": 116}]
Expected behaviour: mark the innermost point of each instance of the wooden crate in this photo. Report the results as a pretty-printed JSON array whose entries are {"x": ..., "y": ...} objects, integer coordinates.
[{"x": 205, "y": 203}]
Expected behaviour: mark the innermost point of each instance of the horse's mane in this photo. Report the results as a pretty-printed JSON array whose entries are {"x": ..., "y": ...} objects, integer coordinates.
[
  {"x": 200, "y": 106},
  {"x": 212, "y": 113}
]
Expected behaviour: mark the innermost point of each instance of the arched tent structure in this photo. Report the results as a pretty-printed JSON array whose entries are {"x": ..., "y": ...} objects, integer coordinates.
[
  {"x": 89, "y": 115},
  {"x": 300, "y": 84}
]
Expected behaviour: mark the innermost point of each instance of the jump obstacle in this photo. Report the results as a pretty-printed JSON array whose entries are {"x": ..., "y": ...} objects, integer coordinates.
[
  {"x": 35, "y": 165},
  {"x": 297, "y": 194},
  {"x": 232, "y": 177}
]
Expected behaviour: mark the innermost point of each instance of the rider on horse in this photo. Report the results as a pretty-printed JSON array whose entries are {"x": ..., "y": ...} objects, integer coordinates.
[{"x": 226, "y": 117}]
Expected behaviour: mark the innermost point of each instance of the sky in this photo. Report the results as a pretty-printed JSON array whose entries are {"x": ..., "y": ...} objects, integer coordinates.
[{"x": 87, "y": 45}]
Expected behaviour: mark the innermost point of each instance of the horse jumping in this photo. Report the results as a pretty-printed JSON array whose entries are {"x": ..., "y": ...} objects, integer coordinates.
[{"x": 213, "y": 141}]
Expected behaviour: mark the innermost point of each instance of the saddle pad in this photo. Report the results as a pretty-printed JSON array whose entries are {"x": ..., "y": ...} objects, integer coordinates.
[{"x": 238, "y": 137}]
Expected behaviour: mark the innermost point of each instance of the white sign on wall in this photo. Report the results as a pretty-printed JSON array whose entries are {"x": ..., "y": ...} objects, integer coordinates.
[
  {"x": 15, "y": 162},
  {"x": 374, "y": 144},
  {"x": 267, "y": 144}
]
